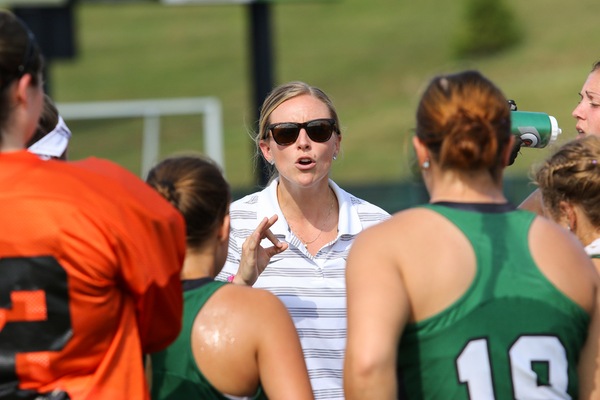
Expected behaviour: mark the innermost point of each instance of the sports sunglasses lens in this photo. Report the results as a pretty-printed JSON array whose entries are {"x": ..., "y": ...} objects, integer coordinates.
[
  {"x": 320, "y": 131},
  {"x": 285, "y": 134}
]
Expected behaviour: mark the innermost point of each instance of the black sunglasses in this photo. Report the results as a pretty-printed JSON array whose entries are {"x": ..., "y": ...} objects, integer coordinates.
[{"x": 318, "y": 130}]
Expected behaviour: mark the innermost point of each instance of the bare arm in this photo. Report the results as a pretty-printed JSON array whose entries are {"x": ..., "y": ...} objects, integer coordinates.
[
  {"x": 589, "y": 364},
  {"x": 580, "y": 282},
  {"x": 378, "y": 308}
]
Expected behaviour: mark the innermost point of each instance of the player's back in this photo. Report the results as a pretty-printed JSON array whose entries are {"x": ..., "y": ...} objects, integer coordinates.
[
  {"x": 75, "y": 248},
  {"x": 512, "y": 334}
]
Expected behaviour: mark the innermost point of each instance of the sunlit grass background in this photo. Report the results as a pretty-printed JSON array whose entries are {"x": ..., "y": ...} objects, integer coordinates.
[{"x": 372, "y": 57}]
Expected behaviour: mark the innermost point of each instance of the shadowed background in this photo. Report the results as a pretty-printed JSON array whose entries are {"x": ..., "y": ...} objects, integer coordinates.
[{"x": 372, "y": 57}]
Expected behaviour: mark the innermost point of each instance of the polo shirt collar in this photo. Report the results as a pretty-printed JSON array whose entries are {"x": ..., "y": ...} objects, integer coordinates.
[{"x": 348, "y": 222}]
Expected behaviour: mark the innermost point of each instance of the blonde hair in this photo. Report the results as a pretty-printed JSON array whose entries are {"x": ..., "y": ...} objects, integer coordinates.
[
  {"x": 572, "y": 174},
  {"x": 279, "y": 95}
]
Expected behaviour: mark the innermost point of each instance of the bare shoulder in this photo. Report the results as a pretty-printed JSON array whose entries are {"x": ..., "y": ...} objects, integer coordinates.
[
  {"x": 549, "y": 239},
  {"x": 401, "y": 223},
  {"x": 257, "y": 314},
  {"x": 255, "y": 322},
  {"x": 563, "y": 260},
  {"x": 250, "y": 303},
  {"x": 244, "y": 314},
  {"x": 533, "y": 203},
  {"x": 407, "y": 228},
  {"x": 395, "y": 242}
]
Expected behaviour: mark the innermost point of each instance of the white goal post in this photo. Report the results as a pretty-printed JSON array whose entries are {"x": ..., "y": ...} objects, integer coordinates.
[{"x": 151, "y": 110}]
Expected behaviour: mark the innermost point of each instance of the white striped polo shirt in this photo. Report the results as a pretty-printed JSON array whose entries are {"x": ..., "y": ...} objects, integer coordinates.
[{"x": 313, "y": 288}]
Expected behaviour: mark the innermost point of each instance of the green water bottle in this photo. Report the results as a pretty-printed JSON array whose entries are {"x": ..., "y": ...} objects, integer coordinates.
[{"x": 536, "y": 129}]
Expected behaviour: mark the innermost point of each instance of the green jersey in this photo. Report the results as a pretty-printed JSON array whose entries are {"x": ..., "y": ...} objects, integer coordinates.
[
  {"x": 175, "y": 374},
  {"x": 512, "y": 335}
]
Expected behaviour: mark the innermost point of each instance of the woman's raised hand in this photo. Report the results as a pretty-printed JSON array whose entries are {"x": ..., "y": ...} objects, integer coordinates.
[{"x": 255, "y": 258}]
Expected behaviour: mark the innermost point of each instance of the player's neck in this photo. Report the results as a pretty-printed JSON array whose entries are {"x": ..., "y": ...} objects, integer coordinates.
[
  {"x": 464, "y": 187},
  {"x": 198, "y": 264}
]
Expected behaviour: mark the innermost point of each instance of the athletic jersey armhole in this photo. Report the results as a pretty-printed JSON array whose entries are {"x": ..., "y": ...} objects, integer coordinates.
[{"x": 211, "y": 287}]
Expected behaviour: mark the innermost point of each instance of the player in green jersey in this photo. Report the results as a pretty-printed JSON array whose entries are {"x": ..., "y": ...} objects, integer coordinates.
[
  {"x": 467, "y": 297},
  {"x": 236, "y": 341}
]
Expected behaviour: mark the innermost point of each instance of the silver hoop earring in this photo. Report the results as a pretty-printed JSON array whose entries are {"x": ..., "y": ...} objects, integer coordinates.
[{"x": 334, "y": 157}]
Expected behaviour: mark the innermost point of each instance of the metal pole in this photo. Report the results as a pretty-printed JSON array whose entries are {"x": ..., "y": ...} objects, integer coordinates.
[
  {"x": 213, "y": 132},
  {"x": 151, "y": 142},
  {"x": 262, "y": 71}
]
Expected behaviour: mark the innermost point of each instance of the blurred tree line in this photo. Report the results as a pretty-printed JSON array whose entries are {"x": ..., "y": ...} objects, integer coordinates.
[{"x": 490, "y": 27}]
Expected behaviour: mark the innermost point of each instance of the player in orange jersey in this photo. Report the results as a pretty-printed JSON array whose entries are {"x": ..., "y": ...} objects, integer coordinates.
[{"x": 90, "y": 257}]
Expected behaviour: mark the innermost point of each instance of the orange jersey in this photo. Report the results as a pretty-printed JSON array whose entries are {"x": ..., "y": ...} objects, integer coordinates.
[{"x": 90, "y": 258}]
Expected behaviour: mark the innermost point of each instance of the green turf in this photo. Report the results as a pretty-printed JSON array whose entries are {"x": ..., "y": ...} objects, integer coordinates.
[{"x": 371, "y": 56}]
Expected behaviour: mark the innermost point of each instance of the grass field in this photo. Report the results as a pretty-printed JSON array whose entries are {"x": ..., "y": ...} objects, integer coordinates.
[{"x": 372, "y": 56}]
